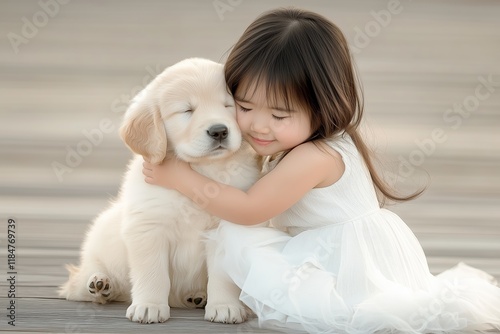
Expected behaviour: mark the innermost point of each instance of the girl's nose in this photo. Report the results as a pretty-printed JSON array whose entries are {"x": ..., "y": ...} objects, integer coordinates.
[{"x": 260, "y": 122}]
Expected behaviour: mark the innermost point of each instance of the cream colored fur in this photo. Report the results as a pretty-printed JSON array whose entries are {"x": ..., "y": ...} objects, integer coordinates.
[{"x": 148, "y": 247}]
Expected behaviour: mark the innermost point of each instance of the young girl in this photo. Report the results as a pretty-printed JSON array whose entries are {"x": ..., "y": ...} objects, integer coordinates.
[{"x": 344, "y": 264}]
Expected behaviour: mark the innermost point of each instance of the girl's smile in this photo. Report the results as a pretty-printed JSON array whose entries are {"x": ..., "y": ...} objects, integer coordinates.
[{"x": 261, "y": 142}]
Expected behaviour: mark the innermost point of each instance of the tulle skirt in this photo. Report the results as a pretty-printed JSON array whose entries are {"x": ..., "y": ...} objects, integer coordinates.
[{"x": 364, "y": 276}]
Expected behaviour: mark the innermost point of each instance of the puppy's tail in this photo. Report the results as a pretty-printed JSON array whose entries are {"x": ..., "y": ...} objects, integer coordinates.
[{"x": 68, "y": 288}]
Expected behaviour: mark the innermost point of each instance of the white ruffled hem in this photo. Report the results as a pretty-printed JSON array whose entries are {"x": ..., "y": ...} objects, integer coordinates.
[{"x": 348, "y": 285}]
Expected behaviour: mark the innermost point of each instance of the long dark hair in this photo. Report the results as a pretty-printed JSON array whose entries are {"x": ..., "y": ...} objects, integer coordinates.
[{"x": 303, "y": 57}]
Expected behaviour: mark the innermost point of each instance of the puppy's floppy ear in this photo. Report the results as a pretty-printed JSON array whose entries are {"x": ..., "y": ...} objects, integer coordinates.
[{"x": 143, "y": 130}]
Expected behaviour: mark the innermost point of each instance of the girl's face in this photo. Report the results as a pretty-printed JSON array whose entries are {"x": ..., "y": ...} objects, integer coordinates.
[{"x": 267, "y": 127}]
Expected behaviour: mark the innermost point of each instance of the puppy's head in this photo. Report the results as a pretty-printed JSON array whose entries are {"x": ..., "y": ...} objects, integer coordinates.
[{"x": 188, "y": 107}]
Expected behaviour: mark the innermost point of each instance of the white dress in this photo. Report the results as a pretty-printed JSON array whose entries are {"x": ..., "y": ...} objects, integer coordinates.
[{"x": 347, "y": 266}]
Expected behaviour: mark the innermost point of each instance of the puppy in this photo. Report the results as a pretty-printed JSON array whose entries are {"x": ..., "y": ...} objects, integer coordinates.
[{"x": 148, "y": 247}]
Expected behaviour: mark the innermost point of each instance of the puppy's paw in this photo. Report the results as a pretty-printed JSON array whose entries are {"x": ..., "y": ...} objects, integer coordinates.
[
  {"x": 227, "y": 314},
  {"x": 99, "y": 286},
  {"x": 197, "y": 300},
  {"x": 148, "y": 313}
]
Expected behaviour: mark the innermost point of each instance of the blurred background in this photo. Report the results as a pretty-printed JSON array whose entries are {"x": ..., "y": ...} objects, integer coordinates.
[{"x": 431, "y": 78}]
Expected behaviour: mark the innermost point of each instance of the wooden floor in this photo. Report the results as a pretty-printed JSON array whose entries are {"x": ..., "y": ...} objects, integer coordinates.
[{"x": 67, "y": 69}]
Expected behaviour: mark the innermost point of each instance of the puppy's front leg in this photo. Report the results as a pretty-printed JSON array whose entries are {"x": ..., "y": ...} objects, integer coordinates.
[
  {"x": 223, "y": 304},
  {"x": 147, "y": 249}
]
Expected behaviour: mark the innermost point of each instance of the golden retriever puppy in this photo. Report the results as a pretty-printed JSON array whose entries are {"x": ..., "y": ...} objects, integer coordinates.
[{"x": 149, "y": 246}]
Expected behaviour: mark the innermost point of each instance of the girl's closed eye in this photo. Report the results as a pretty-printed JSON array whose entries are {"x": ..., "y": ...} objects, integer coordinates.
[
  {"x": 280, "y": 114},
  {"x": 243, "y": 109},
  {"x": 279, "y": 118}
]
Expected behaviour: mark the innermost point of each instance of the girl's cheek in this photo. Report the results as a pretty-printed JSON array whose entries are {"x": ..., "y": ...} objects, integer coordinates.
[
  {"x": 279, "y": 125},
  {"x": 238, "y": 116},
  {"x": 240, "y": 119}
]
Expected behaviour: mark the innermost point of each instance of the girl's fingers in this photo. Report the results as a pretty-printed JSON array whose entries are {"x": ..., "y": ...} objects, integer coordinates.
[{"x": 147, "y": 172}]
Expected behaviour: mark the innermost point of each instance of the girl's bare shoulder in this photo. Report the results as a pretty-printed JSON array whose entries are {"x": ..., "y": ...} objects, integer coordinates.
[{"x": 320, "y": 158}]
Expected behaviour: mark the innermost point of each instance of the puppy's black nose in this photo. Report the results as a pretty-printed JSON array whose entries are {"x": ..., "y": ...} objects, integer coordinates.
[{"x": 218, "y": 131}]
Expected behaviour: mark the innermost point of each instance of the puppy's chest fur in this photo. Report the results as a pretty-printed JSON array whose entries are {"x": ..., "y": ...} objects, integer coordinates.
[
  {"x": 240, "y": 171},
  {"x": 181, "y": 214}
]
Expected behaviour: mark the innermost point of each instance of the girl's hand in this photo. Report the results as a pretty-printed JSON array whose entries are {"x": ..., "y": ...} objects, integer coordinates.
[{"x": 167, "y": 174}]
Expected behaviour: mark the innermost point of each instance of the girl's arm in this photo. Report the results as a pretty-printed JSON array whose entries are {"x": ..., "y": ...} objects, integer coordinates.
[{"x": 302, "y": 169}]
